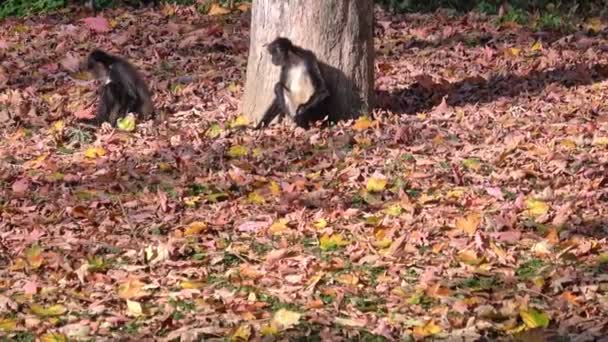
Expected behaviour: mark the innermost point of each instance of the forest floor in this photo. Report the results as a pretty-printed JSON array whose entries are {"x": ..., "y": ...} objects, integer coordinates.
[{"x": 474, "y": 205}]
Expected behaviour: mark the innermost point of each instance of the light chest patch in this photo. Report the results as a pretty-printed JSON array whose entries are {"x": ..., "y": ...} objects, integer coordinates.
[{"x": 299, "y": 88}]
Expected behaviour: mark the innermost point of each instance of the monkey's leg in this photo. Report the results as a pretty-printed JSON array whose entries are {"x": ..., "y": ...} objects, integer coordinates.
[{"x": 107, "y": 103}]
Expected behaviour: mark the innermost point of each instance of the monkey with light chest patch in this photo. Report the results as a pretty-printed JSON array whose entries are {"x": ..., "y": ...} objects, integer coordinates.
[
  {"x": 123, "y": 91},
  {"x": 301, "y": 88}
]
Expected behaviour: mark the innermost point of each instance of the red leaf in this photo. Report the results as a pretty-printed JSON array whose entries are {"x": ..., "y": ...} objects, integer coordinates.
[
  {"x": 97, "y": 24},
  {"x": 85, "y": 113},
  {"x": 20, "y": 186}
]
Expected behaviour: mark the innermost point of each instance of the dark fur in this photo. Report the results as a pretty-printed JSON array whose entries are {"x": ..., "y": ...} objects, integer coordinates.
[
  {"x": 126, "y": 91},
  {"x": 287, "y": 55}
]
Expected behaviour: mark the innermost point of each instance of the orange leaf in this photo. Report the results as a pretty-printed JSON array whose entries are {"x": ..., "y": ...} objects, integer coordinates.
[{"x": 469, "y": 224}]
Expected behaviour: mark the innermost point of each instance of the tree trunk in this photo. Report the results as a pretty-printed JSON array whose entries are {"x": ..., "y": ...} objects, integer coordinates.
[{"x": 339, "y": 32}]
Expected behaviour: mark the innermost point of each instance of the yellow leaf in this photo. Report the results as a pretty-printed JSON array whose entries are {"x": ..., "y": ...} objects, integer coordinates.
[
  {"x": 214, "y": 131},
  {"x": 257, "y": 152},
  {"x": 362, "y": 124},
  {"x": 255, "y": 198},
  {"x": 536, "y": 207},
  {"x": 538, "y": 46},
  {"x": 595, "y": 24},
  {"x": 472, "y": 164},
  {"x": 394, "y": 210},
  {"x": 275, "y": 189},
  {"x": 376, "y": 183},
  {"x": 58, "y": 126},
  {"x": 195, "y": 228},
  {"x": 429, "y": 329},
  {"x": 469, "y": 257},
  {"x": 53, "y": 337},
  {"x": 191, "y": 284},
  {"x": 242, "y": 333},
  {"x": 320, "y": 223},
  {"x": 164, "y": 166},
  {"x": 126, "y": 124},
  {"x": 278, "y": 226},
  {"x": 568, "y": 144},
  {"x": 237, "y": 151},
  {"x": 216, "y": 9},
  {"x": 239, "y": 121},
  {"x": 7, "y": 324},
  {"x": 269, "y": 330},
  {"x": 94, "y": 152},
  {"x": 600, "y": 141},
  {"x": 233, "y": 87},
  {"x": 34, "y": 256},
  {"x": 51, "y": 311},
  {"x": 469, "y": 224},
  {"x": 134, "y": 308},
  {"x": 132, "y": 288},
  {"x": 513, "y": 52},
  {"x": 192, "y": 200},
  {"x": 285, "y": 319},
  {"x": 347, "y": 279},
  {"x": 534, "y": 319},
  {"x": 332, "y": 241}
]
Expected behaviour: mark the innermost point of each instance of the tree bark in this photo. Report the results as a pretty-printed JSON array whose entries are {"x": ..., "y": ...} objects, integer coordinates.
[{"x": 339, "y": 32}]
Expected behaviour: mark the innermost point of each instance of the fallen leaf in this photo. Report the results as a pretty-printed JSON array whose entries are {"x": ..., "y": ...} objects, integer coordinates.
[
  {"x": 536, "y": 207},
  {"x": 195, "y": 228},
  {"x": 97, "y": 24},
  {"x": 376, "y": 183},
  {"x": 428, "y": 329},
  {"x": 469, "y": 224},
  {"x": 285, "y": 319},
  {"x": 217, "y": 9},
  {"x": 238, "y": 151},
  {"x": 127, "y": 123},
  {"x": 534, "y": 318},
  {"x": 8, "y": 324},
  {"x": 50, "y": 311},
  {"x": 327, "y": 242},
  {"x": 53, "y": 337},
  {"x": 20, "y": 186},
  {"x": 362, "y": 124},
  {"x": 134, "y": 308},
  {"x": 94, "y": 152},
  {"x": 131, "y": 288},
  {"x": 34, "y": 256}
]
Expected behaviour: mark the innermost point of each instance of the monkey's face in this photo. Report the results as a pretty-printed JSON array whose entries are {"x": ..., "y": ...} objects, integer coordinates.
[
  {"x": 97, "y": 69},
  {"x": 278, "y": 55}
]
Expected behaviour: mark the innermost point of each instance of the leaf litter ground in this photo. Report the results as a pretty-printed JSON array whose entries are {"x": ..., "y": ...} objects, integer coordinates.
[{"x": 474, "y": 205}]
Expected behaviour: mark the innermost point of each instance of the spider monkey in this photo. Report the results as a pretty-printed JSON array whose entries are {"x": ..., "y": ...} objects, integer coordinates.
[
  {"x": 301, "y": 90},
  {"x": 123, "y": 91}
]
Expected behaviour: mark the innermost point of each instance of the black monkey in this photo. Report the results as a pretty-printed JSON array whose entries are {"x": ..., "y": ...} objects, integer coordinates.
[
  {"x": 301, "y": 90},
  {"x": 124, "y": 90}
]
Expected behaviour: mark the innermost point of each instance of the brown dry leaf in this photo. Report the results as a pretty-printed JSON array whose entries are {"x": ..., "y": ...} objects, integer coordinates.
[
  {"x": 217, "y": 9},
  {"x": 132, "y": 288},
  {"x": 469, "y": 223}
]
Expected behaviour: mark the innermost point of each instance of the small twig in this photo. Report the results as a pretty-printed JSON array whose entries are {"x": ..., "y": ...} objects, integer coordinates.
[{"x": 538, "y": 293}]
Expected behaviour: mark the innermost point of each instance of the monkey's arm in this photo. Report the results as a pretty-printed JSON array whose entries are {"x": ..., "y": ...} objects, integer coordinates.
[
  {"x": 276, "y": 107},
  {"x": 269, "y": 115}
]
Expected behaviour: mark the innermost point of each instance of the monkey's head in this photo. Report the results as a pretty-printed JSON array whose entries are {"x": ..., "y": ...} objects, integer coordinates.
[
  {"x": 279, "y": 50},
  {"x": 95, "y": 64}
]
